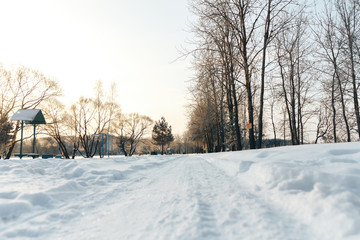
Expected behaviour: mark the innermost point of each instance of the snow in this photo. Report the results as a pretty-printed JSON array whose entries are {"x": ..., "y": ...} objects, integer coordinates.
[
  {"x": 25, "y": 114},
  {"x": 303, "y": 192}
]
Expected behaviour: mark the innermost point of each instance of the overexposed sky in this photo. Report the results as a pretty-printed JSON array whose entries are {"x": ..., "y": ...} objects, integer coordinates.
[{"x": 78, "y": 42}]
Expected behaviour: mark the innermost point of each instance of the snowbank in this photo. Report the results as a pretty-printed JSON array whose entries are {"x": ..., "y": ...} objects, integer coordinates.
[{"x": 318, "y": 184}]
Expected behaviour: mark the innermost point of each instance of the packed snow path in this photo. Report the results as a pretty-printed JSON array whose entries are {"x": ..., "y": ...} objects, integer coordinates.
[
  {"x": 307, "y": 192},
  {"x": 187, "y": 199}
]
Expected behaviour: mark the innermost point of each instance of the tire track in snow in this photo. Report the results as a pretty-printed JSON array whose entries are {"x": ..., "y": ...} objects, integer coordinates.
[
  {"x": 189, "y": 198},
  {"x": 243, "y": 212},
  {"x": 202, "y": 222}
]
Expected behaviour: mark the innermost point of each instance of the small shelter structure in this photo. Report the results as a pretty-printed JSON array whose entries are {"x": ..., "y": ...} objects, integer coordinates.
[
  {"x": 28, "y": 116},
  {"x": 105, "y": 146}
]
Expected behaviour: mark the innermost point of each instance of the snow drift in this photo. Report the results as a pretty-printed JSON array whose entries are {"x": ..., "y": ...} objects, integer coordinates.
[{"x": 304, "y": 192}]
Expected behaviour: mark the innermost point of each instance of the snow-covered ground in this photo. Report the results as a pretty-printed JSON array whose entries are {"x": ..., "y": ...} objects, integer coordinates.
[{"x": 304, "y": 192}]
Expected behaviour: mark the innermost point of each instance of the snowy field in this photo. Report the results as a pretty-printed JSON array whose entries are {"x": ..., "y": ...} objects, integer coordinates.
[{"x": 305, "y": 192}]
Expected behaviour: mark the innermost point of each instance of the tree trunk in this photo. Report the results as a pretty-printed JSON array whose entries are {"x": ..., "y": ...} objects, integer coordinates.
[
  {"x": 11, "y": 148},
  {"x": 295, "y": 138},
  {"x": 290, "y": 112},
  {"x": 333, "y": 108},
  {"x": 273, "y": 122},
  {"x": 353, "y": 77},
  {"x": 246, "y": 67},
  {"x": 217, "y": 118},
  {"x": 343, "y": 106},
  {"x": 124, "y": 149},
  {"x": 262, "y": 87},
  {"x": 230, "y": 105},
  {"x": 236, "y": 119},
  {"x": 350, "y": 27},
  {"x": 74, "y": 150},
  {"x": 62, "y": 148},
  {"x": 13, "y": 140}
]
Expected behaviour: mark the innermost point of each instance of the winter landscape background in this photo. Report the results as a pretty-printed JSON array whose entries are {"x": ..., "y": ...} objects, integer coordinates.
[
  {"x": 302, "y": 192},
  {"x": 203, "y": 81}
]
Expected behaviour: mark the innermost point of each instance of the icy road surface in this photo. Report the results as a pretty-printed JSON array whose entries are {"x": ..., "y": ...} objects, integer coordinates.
[{"x": 306, "y": 192}]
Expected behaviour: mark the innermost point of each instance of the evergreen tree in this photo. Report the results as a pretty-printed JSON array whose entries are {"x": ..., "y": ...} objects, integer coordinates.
[
  {"x": 5, "y": 130},
  {"x": 161, "y": 134}
]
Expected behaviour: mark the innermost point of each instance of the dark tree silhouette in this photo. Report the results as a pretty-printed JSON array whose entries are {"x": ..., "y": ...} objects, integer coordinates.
[{"x": 5, "y": 130}]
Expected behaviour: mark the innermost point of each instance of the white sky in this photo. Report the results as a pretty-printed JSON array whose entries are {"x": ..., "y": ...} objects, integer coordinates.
[{"x": 128, "y": 42}]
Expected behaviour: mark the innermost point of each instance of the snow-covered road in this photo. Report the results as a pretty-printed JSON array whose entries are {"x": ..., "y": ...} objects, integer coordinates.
[
  {"x": 188, "y": 199},
  {"x": 307, "y": 192}
]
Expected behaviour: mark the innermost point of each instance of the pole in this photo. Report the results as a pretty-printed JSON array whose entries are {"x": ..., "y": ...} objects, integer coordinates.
[
  {"x": 34, "y": 141},
  {"x": 108, "y": 145},
  {"x": 21, "y": 140},
  {"x": 105, "y": 152},
  {"x": 102, "y": 146}
]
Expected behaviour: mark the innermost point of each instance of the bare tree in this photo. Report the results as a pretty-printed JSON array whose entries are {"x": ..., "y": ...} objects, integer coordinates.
[
  {"x": 56, "y": 128},
  {"x": 85, "y": 127},
  {"x": 23, "y": 88},
  {"x": 294, "y": 67},
  {"x": 202, "y": 124},
  {"x": 331, "y": 43},
  {"x": 236, "y": 44},
  {"x": 217, "y": 58},
  {"x": 240, "y": 32},
  {"x": 277, "y": 18},
  {"x": 349, "y": 27},
  {"x": 250, "y": 20},
  {"x": 130, "y": 130},
  {"x": 89, "y": 119},
  {"x": 208, "y": 97}
]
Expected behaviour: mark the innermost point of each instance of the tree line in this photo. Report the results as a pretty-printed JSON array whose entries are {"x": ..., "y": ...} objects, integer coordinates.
[
  {"x": 76, "y": 129},
  {"x": 274, "y": 71}
]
